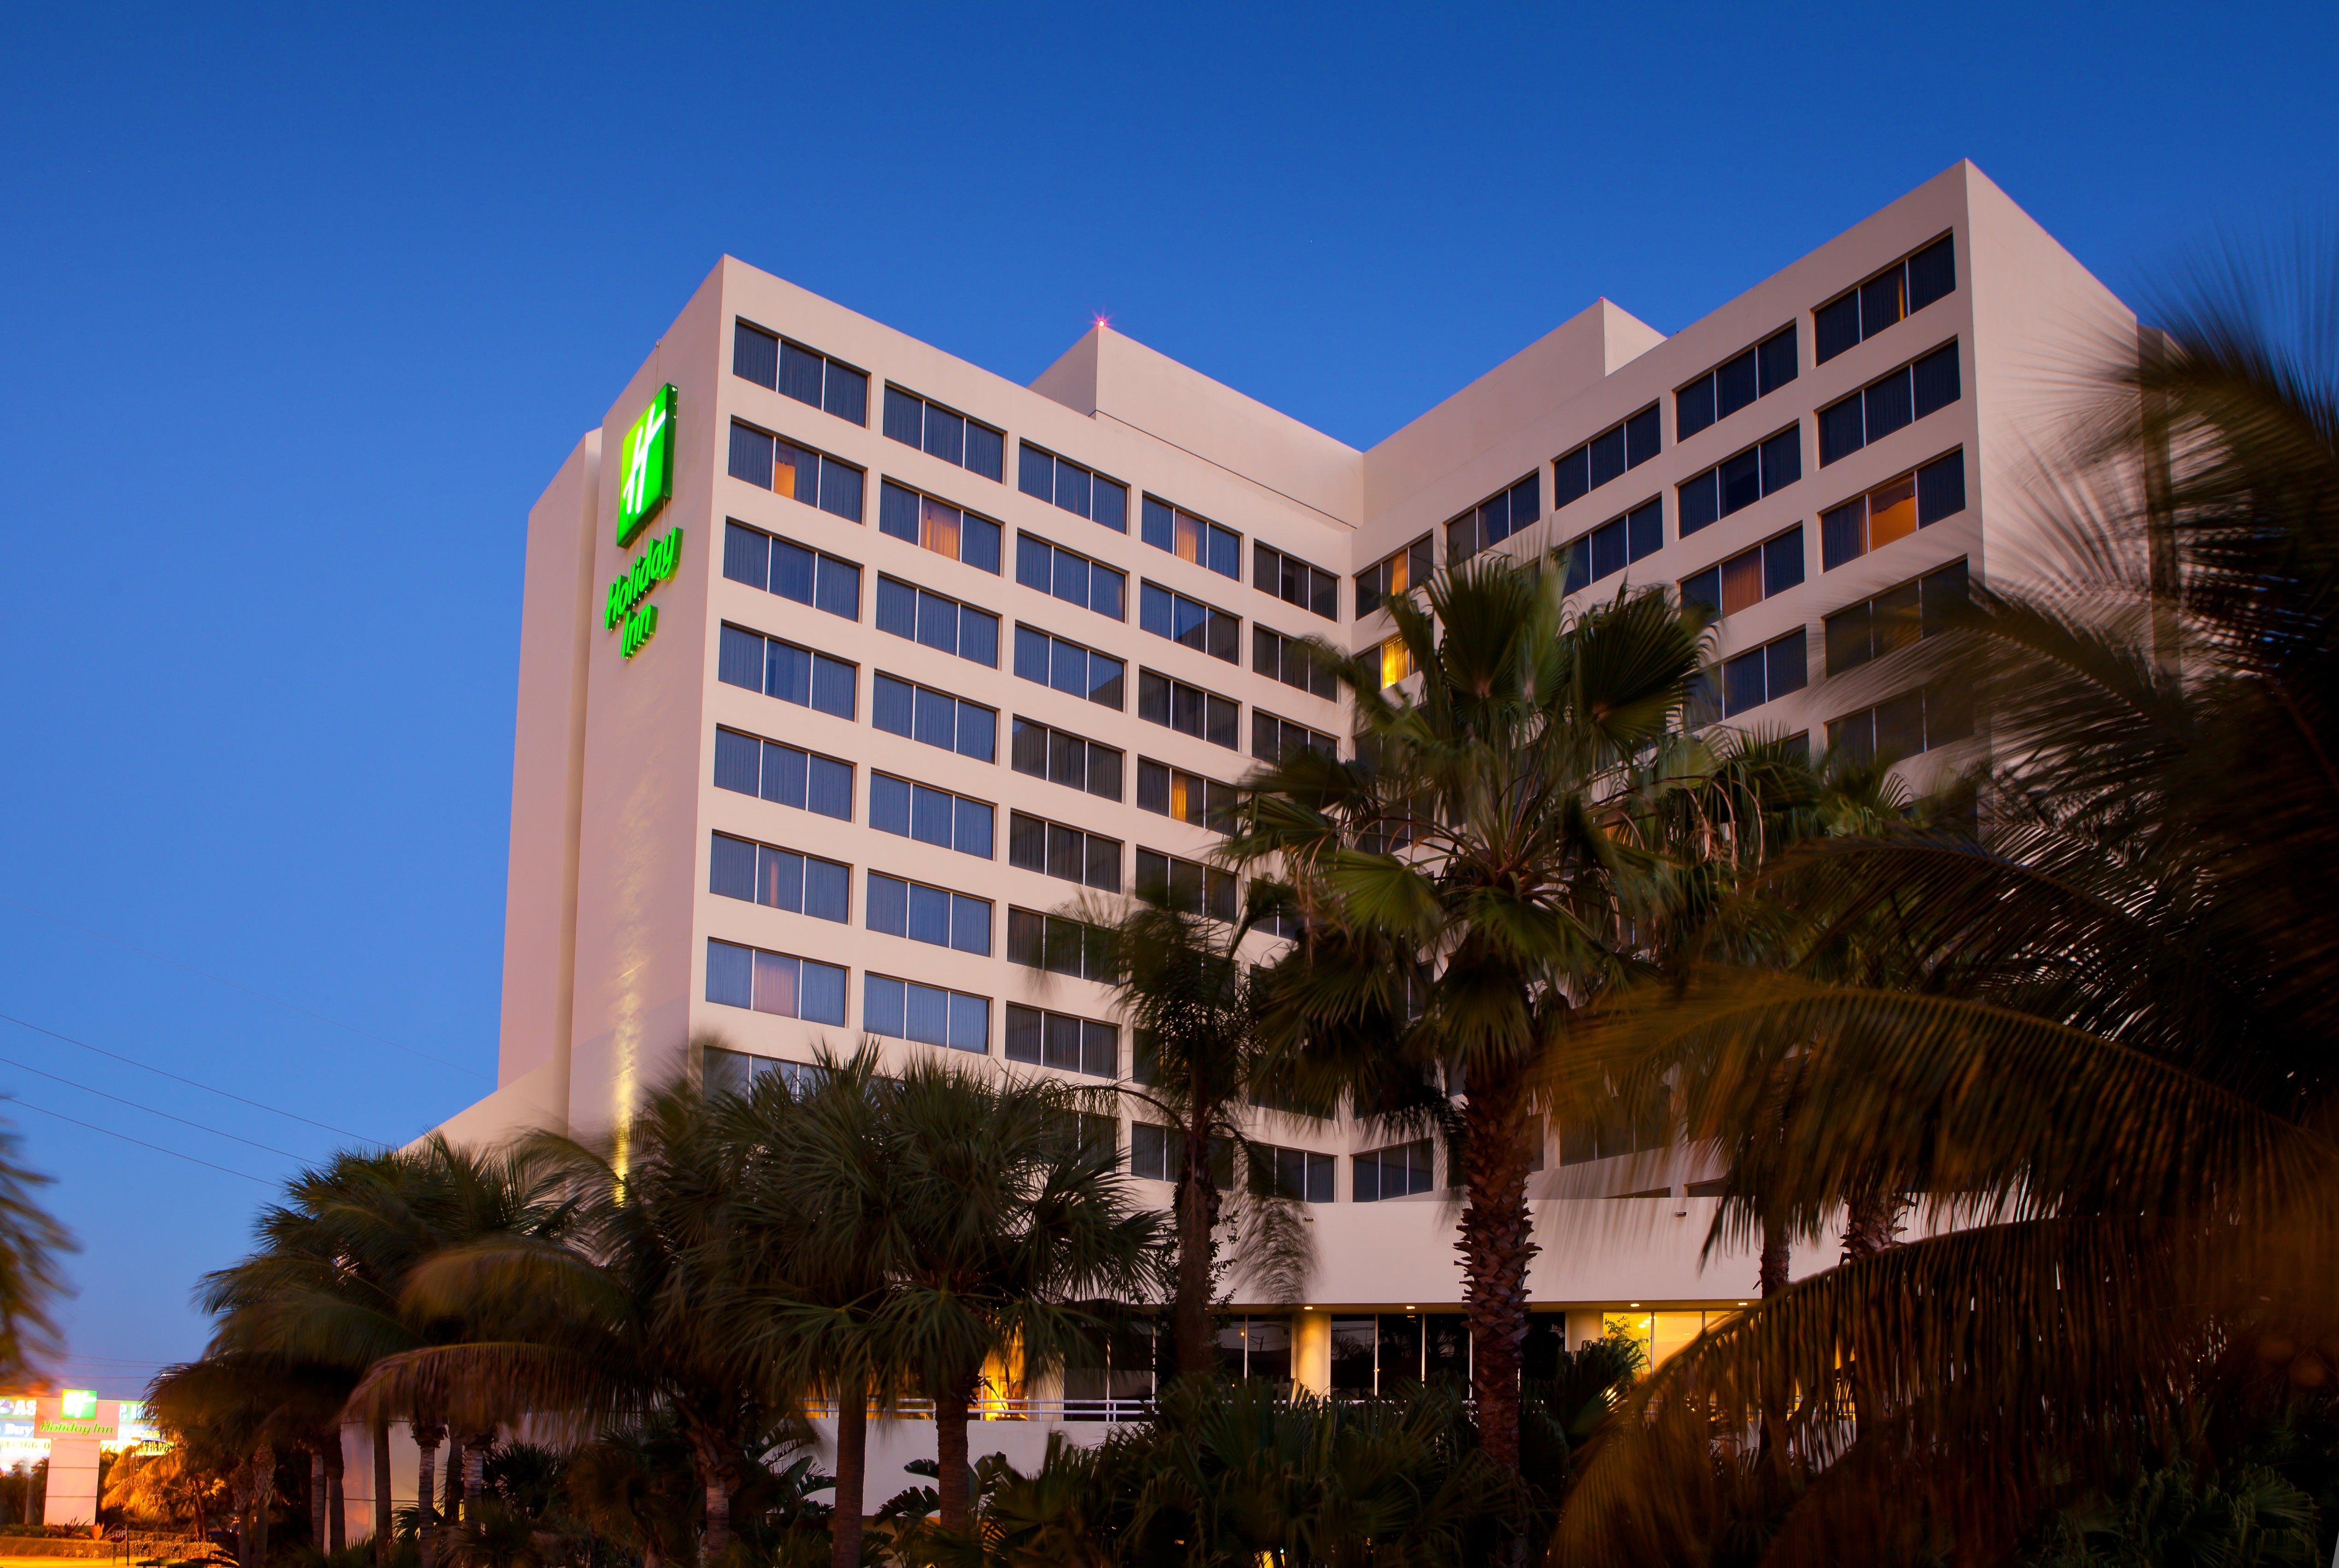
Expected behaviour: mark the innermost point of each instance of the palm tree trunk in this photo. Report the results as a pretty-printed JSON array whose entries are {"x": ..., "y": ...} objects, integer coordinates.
[
  {"x": 852, "y": 1472},
  {"x": 263, "y": 1492},
  {"x": 1872, "y": 1223},
  {"x": 426, "y": 1503},
  {"x": 1496, "y": 1246},
  {"x": 382, "y": 1519},
  {"x": 1778, "y": 1258},
  {"x": 451, "y": 1510},
  {"x": 716, "y": 1478},
  {"x": 1197, "y": 1208},
  {"x": 316, "y": 1497},
  {"x": 336, "y": 1520},
  {"x": 475, "y": 1473},
  {"x": 950, "y": 1404}
]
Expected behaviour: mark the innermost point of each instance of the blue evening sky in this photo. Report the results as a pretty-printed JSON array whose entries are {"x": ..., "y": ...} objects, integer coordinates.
[{"x": 301, "y": 306}]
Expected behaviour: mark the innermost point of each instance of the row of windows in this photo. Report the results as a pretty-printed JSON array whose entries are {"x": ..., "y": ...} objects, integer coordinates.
[
  {"x": 1053, "y": 849},
  {"x": 771, "y": 462},
  {"x": 907, "y": 1010},
  {"x": 1191, "y": 539},
  {"x": 1905, "y": 727},
  {"x": 775, "y": 982},
  {"x": 1899, "y": 291},
  {"x": 1060, "y": 756},
  {"x": 1735, "y": 383},
  {"x": 779, "y": 878},
  {"x": 1069, "y": 667},
  {"x": 1895, "y": 400},
  {"x": 1203, "y": 627},
  {"x": 1750, "y": 679},
  {"x": 1295, "y": 582},
  {"x": 794, "y": 371},
  {"x": 1187, "y": 886},
  {"x": 1063, "y": 1041},
  {"x": 783, "y": 670},
  {"x": 1395, "y": 573},
  {"x": 1286, "y": 659},
  {"x": 1046, "y": 476},
  {"x": 1749, "y": 577},
  {"x": 934, "y": 915},
  {"x": 1495, "y": 519},
  {"x": 1187, "y": 797},
  {"x": 1272, "y": 739},
  {"x": 1069, "y": 576},
  {"x": 931, "y": 815},
  {"x": 1616, "y": 544},
  {"x": 1740, "y": 480},
  {"x": 786, "y": 774},
  {"x": 937, "y": 622},
  {"x": 791, "y": 570},
  {"x": 935, "y": 525},
  {"x": 1401, "y": 1170},
  {"x": 933, "y": 718},
  {"x": 1893, "y": 511},
  {"x": 945, "y": 433},
  {"x": 1897, "y": 618},
  {"x": 1188, "y": 710},
  {"x": 1059, "y": 944},
  {"x": 1623, "y": 445}
]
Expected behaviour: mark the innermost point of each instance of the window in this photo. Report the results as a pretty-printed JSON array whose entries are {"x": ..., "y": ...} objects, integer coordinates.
[
  {"x": 1188, "y": 710},
  {"x": 901, "y": 707},
  {"x": 805, "y": 780},
  {"x": 1295, "y": 582},
  {"x": 937, "y": 525},
  {"x": 905, "y": 1009},
  {"x": 1893, "y": 511},
  {"x": 1902, "y": 288},
  {"x": 1300, "y": 1175},
  {"x": 929, "y": 815},
  {"x": 783, "y": 670},
  {"x": 1616, "y": 544},
  {"x": 1058, "y": 945},
  {"x": 779, "y": 878},
  {"x": 1197, "y": 625},
  {"x": 1917, "y": 389},
  {"x": 1400, "y": 1171},
  {"x": 929, "y": 914},
  {"x": 1908, "y": 725},
  {"x": 1191, "y": 539},
  {"x": 1060, "y": 1041},
  {"x": 1616, "y": 1127},
  {"x": 943, "y": 433},
  {"x": 1898, "y": 617},
  {"x": 1062, "y": 757},
  {"x": 1273, "y": 739},
  {"x": 737, "y": 1072},
  {"x": 1396, "y": 661},
  {"x": 1049, "y": 477},
  {"x": 1189, "y": 797},
  {"x": 1735, "y": 383},
  {"x": 1072, "y": 578},
  {"x": 807, "y": 375},
  {"x": 1051, "y": 849},
  {"x": 1748, "y": 681},
  {"x": 749, "y": 977},
  {"x": 1184, "y": 885},
  {"x": 1286, "y": 659},
  {"x": 791, "y": 570},
  {"x": 1620, "y": 447},
  {"x": 942, "y": 623},
  {"x": 1494, "y": 519},
  {"x": 1155, "y": 1152},
  {"x": 771, "y": 463},
  {"x": 1069, "y": 668},
  {"x": 1742, "y": 479},
  {"x": 1749, "y": 577},
  {"x": 1254, "y": 1345},
  {"x": 1396, "y": 573}
]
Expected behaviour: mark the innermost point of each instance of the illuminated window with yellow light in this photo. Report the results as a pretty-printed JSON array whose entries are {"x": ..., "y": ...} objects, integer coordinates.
[{"x": 1397, "y": 661}]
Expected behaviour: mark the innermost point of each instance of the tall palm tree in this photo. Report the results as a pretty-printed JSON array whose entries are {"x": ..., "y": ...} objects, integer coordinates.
[
  {"x": 2101, "y": 1042},
  {"x": 30, "y": 1242},
  {"x": 1470, "y": 879}
]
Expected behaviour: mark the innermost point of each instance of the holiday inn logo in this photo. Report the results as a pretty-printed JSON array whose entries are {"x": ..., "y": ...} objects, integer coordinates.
[{"x": 645, "y": 459}]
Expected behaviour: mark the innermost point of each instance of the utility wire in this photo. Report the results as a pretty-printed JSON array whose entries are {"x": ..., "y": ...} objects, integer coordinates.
[
  {"x": 191, "y": 1083},
  {"x": 141, "y": 1142},
  {"x": 183, "y": 1121},
  {"x": 233, "y": 985}
]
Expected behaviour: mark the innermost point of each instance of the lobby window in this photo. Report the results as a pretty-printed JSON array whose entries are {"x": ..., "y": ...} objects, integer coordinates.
[
  {"x": 1071, "y": 577},
  {"x": 791, "y": 570},
  {"x": 1068, "y": 668},
  {"x": 771, "y": 462},
  {"x": 945, "y": 433},
  {"x": 1188, "y": 710},
  {"x": 932, "y": 915},
  {"x": 1735, "y": 383},
  {"x": 1063, "y": 1041},
  {"x": 1191, "y": 539},
  {"x": 1740, "y": 480},
  {"x": 1893, "y": 511},
  {"x": 1395, "y": 575},
  {"x": 1906, "y": 726},
  {"x": 1621, "y": 447},
  {"x": 1495, "y": 519},
  {"x": 937, "y": 718},
  {"x": 1188, "y": 798},
  {"x": 1899, "y": 617},
  {"x": 905, "y": 1009},
  {"x": 1286, "y": 659},
  {"x": 1400, "y": 1171},
  {"x": 1749, "y": 577},
  {"x": 1053, "y": 849},
  {"x": 779, "y": 878},
  {"x": 807, "y": 375},
  {"x": 1902, "y": 289},
  {"x": 787, "y": 774},
  {"x": 937, "y": 525},
  {"x": 783, "y": 670},
  {"x": 1294, "y": 581},
  {"x": 1058, "y": 945},
  {"x": 1272, "y": 739},
  {"x": 1186, "y": 885},
  {"x": 942, "y": 623},
  {"x": 1298, "y": 1175},
  {"x": 929, "y": 815},
  {"x": 1040, "y": 751},
  {"x": 1046, "y": 476},
  {"x": 1748, "y": 681},
  {"x": 1901, "y": 398},
  {"x": 775, "y": 982},
  {"x": 1202, "y": 627},
  {"x": 1254, "y": 1345},
  {"x": 1616, "y": 544}
]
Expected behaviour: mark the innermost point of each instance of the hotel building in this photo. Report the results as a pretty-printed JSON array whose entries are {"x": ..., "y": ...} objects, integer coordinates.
[{"x": 847, "y": 665}]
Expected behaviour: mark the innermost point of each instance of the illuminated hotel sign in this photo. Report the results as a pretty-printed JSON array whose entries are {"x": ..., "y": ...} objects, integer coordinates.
[
  {"x": 645, "y": 459},
  {"x": 77, "y": 1413},
  {"x": 624, "y": 607}
]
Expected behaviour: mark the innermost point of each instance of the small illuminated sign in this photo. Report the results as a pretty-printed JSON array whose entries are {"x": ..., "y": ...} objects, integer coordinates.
[
  {"x": 78, "y": 1404},
  {"x": 646, "y": 466}
]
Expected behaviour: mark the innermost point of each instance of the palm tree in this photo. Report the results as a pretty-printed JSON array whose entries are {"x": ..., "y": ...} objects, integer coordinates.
[
  {"x": 1470, "y": 879},
  {"x": 30, "y": 1242},
  {"x": 2100, "y": 1044}
]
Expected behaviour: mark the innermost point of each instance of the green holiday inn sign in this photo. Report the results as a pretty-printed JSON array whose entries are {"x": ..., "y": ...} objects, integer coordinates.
[{"x": 646, "y": 464}]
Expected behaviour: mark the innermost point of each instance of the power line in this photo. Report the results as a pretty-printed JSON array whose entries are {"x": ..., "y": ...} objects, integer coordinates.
[
  {"x": 191, "y": 1083},
  {"x": 183, "y": 1121},
  {"x": 248, "y": 991},
  {"x": 141, "y": 1142}
]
